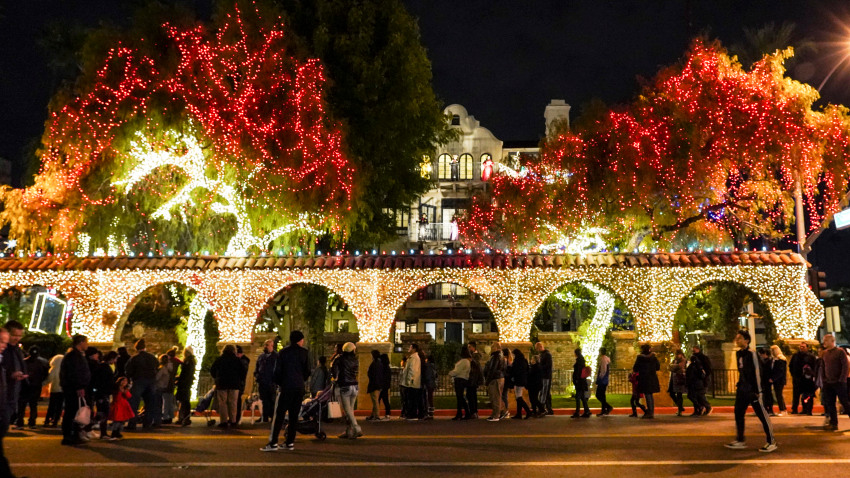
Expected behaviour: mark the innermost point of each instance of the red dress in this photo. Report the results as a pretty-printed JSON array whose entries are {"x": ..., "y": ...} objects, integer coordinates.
[{"x": 121, "y": 411}]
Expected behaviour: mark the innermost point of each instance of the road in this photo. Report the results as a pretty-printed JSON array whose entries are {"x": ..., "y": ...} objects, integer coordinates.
[{"x": 554, "y": 446}]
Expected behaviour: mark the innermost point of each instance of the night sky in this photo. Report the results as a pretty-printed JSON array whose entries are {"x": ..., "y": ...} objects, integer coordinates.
[{"x": 502, "y": 60}]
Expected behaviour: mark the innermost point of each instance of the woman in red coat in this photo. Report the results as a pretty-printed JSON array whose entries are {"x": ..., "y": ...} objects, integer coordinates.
[{"x": 120, "y": 411}]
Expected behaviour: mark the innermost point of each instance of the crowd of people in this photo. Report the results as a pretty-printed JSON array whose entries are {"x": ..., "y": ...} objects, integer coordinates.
[{"x": 114, "y": 385}]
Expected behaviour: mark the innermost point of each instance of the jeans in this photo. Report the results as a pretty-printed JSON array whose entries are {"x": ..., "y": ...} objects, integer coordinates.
[
  {"x": 375, "y": 396},
  {"x": 797, "y": 391},
  {"x": 635, "y": 403},
  {"x": 143, "y": 389},
  {"x": 829, "y": 393},
  {"x": 227, "y": 404},
  {"x": 413, "y": 403},
  {"x": 384, "y": 397},
  {"x": 650, "y": 404},
  {"x": 288, "y": 402},
  {"x": 70, "y": 429},
  {"x": 601, "y": 388},
  {"x": 581, "y": 399},
  {"x": 780, "y": 400},
  {"x": 169, "y": 405},
  {"x": 534, "y": 397},
  {"x": 347, "y": 397},
  {"x": 677, "y": 399},
  {"x": 744, "y": 401},
  {"x": 29, "y": 398},
  {"x": 472, "y": 399},
  {"x": 462, "y": 404},
  {"x": 545, "y": 395},
  {"x": 494, "y": 389},
  {"x": 697, "y": 397},
  {"x": 185, "y": 410},
  {"x": 54, "y": 408},
  {"x": 267, "y": 396}
]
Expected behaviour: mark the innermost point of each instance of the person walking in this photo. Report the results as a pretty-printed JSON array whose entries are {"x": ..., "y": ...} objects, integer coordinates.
[
  {"x": 582, "y": 390},
  {"x": 227, "y": 371},
  {"x": 535, "y": 383},
  {"x": 386, "y": 383},
  {"x": 636, "y": 396},
  {"x": 411, "y": 379},
  {"x": 546, "y": 371},
  {"x": 16, "y": 369},
  {"x": 799, "y": 360},
  {"x": 778, "y": 377},
  {"x": 748, "y": 394},
  {"x": 37, "y": 370},
  {"x": 519, "y": 374},
  {"x": 346, "y": 369},
  {"x": 141, "y": 370},
  {"x": 5, "y": 470},
  {"x": 184, "y": 386},
  {"x": 291, "y": 372},
  {"x": 460, "y": 374},
  {"x": 476, "y": 378},
  {"x": 678, "y": 382},
  {"x": 708, "y": 374},
  {"x": 834, "y": 374},
  {"x": 695, "y": 379},
  {"x": 376, "y": 380},
  {"x": 494, "y": 378},
  {"x": 765, "y": 366},
  {"x": 54, "y": 388},
  {"x": 264, "y": 377},
  {"x": 603, "y": 371},
  {"x": 74, "y": 377},
  {"x": 647, "y": 367}
]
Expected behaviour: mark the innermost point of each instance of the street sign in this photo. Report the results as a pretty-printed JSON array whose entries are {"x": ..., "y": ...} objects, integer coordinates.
[
  {"x": 833, "y": 319},
  {"x": 842, "y": 219}
]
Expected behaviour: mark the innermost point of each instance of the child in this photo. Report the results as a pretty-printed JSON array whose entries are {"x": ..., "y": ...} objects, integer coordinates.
[
  {"x": 636, "y": 395},
  {"x": 121, "y": 411}
]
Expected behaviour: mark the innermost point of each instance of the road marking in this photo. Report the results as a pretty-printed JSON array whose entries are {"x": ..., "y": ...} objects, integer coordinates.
[{"x": 455, "y": 464}]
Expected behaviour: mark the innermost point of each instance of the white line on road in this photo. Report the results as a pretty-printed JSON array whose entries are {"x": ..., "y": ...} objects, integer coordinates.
[{"x": 456, "y": 464}]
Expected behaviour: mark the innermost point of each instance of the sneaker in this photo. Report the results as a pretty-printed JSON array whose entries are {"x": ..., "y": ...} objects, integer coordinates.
[
  {"x": 707, "y": 411},
  {"x": 387, "y": 417},
  {"x": 270, "y": 447},
  {"x": 358, "y": 435},
  {"x": 18, "y": 427},
  {"x": 343, "y": 436},
  {"x": 780, "y": 414},
  {"x": 371, "y": 419},
  {"x": 768, "y": 447},
  {"x": 412, "y": 419},
  {"x": 117, "y": 436},
  {"x": 289, "y": 446},
  {"x": 107, "y": 438},
  {"x": 737, "y": 445},
  {"x": 505, "y": 414},
  {"x": 493, "y": 419}
]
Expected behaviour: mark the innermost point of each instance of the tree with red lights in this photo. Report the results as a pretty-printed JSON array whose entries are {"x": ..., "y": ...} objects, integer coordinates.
[
  {"x": 708, "y": 153},
  {"x": 219, "y": 126}
]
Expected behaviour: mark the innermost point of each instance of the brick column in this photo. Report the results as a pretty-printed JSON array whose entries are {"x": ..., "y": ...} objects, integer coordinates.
[
  {"x": 423, "y": 339},
  {"x": 364, "y": 356},
  {"x": 624, "y": 349},
  {"x": 562, "y": 346},
  {"x": 662, "y": 352}
]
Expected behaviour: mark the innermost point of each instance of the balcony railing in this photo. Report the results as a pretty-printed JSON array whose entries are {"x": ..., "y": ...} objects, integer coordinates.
[{"x": 437, "y": 231}]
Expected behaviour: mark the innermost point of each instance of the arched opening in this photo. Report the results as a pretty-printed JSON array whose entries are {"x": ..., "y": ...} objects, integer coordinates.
[
  {"x": 317, "y": 311},
  {"x": 590, "y": 310},
  {"x": 444, "y": 167},
  {"x": 448, "y": 312},
  {"x": 45, "y": 313},
  {"x": 172, "y": 314},
  {"x": 717, "y": 310}
]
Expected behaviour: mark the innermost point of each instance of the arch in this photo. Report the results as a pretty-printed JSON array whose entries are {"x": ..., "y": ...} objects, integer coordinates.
[{"x": 466, "y": 167}]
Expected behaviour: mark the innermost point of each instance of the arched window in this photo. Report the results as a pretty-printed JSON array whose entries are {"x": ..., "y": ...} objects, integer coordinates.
[
  {"x": 455, "y": 120},
  {"x": 466, "y": 167},
  {"x": 444, "y": 167}
]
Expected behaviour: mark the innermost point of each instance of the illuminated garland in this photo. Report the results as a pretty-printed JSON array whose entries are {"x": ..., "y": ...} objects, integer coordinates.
[
  {"x": 238, "y": 296},
  {"x": 594, "y": 334}
]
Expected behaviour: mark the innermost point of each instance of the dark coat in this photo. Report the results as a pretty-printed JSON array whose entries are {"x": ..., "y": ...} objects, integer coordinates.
[
  {"x": 429, "y": 375},
  {"x": 495, "y": 367},
  {"x": 264, "y": 372},
  {"x": 187, "y": 375},
  {"x": 519, "y": 372},
  {"x": 695, "y": 376},
  {"x": 101, "y": 380},
  {"x": 143, "y": 365},
  {"x": 798, "y": 361},
  {"x": 647, "y": 367},
  {"x": 535, "y": 377},
  {"x": 376, "y": 376},
  {"x": 546, "y": 364},
  {"x": 293, "y": 368},
  {"x": 227, "y": 371},
  {"x": 579, "y": 383},
  {"x": 386, "y": 376},
  {"x": 778, "y": 372},
  {"x": 37, "y": 369},
  {"x": 13, "y": 361},
  {"x": 346, "y": 368},
  {"x": 74, "y": 374}
]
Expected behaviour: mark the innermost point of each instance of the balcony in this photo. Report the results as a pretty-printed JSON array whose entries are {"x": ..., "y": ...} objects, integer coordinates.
[{"x": 432, "y": 232}]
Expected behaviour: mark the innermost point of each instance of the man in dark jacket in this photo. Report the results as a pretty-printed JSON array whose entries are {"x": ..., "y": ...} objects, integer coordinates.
[
  {"x": 16, "y": 371},
  {"x": 264, "y": 376},
  {"x": 834, "y": 375},
  {"x": 765, "y": 367},
  {"x": 494, "y": 379},
  {"x": 228, "y": 372},
  {"x": 708, "y": 375},
  {"x": 376, "y": 379},
  {"x": 74, "y": 376},
  {"x": 545, "y": 361},
  {"x": 37, "y": 368},
  {"x": 798, "y": 361},
  {"x": 293, "y": 368},
  {"x": 184, "y": 385},
  {"x": 4, "y": 425},
  {"x": 647, "y": 366},
  {"x": 141, "y": 370},
  {"x": 748, "y": 394}
]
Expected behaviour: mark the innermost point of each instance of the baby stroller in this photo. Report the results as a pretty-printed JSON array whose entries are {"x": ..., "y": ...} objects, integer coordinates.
[
  {"x": 205, "y": 406},
  {"x": 310, "y": 416}
]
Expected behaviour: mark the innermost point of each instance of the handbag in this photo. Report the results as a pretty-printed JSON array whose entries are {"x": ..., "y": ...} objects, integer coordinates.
[
  {"x": 585, "y": 372},
  {"x": 334, "y": 410},
  {"x": 83, "y": 416}
]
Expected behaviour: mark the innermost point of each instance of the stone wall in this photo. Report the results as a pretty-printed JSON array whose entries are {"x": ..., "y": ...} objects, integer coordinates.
[{"x": 157, "y": 341}]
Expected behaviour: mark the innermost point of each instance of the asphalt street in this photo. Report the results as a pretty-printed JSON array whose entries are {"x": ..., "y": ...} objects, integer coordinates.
[{"x": 554, "y": 446}]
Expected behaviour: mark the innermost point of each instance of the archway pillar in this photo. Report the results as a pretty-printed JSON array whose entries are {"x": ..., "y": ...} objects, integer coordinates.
[
  {"x": 364, "y": 356},
  {"x": 662, "y": 352}
]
